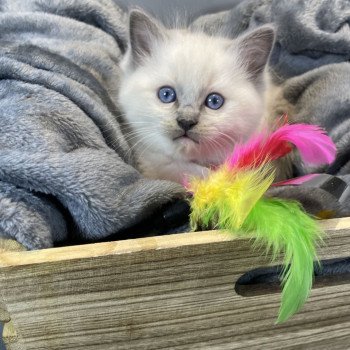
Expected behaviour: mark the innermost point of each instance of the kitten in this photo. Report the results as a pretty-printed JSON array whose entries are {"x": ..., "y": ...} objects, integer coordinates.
[{"x": 189, "y": 97}]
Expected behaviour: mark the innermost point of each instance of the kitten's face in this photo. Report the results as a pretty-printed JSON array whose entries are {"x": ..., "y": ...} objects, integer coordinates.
[{"x": 189, "y": 96}]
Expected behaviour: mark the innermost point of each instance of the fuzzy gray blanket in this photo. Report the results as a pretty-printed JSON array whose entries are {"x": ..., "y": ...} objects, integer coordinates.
[
  {"x": 65, "y": 166},
  {"x": 64, "y": 163},
  {"x": 310, "y": 33}
]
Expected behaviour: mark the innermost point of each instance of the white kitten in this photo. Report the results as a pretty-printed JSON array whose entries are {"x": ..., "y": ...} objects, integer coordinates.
[{"x": 189, "y": 97}]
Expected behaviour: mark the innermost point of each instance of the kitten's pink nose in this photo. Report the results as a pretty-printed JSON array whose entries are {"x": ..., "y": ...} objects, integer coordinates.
[{"x": 186, "y": 124}]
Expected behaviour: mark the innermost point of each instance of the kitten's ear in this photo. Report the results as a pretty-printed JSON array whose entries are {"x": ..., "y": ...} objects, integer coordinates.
[
  {"x": 255, "y": 48},
  {"x": 144, "y": 31}
]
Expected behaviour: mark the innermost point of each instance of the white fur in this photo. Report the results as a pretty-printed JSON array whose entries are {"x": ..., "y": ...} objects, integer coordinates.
[{"x": 195, "y": 65}]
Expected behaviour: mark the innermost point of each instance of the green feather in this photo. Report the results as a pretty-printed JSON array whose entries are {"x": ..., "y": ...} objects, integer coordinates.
[{"x": 282, "y": 227}]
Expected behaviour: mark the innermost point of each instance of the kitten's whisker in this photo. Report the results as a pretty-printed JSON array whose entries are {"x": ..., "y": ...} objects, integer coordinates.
[
  {"x": 150, "y": 144},
  {"x": 135, "y": 134},
  {"x": 222, "y": 153},
  {"x": 138, "y": 122},
  {"x": 140, "y": 128},
  {"x": 146, "y": 149},
  {"x": 216, "y": 147},
  {"x": 139, "y": 131},
  {"x": 223, "y": 143},
  {"x": 142, "y": 139},
  {"x": 227, "y": 136}
]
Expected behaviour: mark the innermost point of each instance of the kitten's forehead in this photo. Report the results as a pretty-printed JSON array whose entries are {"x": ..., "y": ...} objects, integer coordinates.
[{"x": 196, "y": 63}]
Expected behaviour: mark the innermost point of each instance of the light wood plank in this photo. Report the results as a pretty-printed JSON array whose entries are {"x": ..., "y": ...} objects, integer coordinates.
[
  {"x": 168, "y": 292},
  {"x": 10, "y": 258}
]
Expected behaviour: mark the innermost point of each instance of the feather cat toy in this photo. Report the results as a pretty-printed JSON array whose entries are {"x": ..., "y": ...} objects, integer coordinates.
[{"x": 232, "y": 198}]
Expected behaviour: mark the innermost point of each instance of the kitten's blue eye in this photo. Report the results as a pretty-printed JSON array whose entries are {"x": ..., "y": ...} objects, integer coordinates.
[
  {"x": 214, "y": 101},
  {"x": 167, "y": 94}
]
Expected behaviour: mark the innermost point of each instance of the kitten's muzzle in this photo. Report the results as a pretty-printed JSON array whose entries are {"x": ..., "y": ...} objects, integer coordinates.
[
  {"x": 187, "y": 117},
  {"x": 187, "y": 135}
]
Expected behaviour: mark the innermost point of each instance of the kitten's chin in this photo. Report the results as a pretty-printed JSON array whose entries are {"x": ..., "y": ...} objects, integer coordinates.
[
  {"x": 186, "y": 143},
  {"x": 194, "y": 152},
  {"x": 187, "y": 147}
]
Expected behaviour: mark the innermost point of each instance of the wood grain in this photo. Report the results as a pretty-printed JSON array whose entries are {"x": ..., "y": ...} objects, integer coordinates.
[{"x": 168, "y": 292}]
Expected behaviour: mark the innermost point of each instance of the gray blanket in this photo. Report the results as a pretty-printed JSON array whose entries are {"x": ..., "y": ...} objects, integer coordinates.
[
  {"x": 64, "y": 163},
  {"x": 65, "y": 167},
  {"x": 310, "y": 33}
]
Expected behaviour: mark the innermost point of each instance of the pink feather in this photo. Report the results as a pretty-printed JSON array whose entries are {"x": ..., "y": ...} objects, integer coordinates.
[{"x": 314, "y": 145}]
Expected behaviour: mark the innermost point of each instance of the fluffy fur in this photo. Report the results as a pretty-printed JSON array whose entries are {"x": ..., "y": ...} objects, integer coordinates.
[{"x": 195, "y": 65}]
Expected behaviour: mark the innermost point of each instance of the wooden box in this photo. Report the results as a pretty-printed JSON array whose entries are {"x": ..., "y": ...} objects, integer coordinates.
[{"x": 168, "y": 292}]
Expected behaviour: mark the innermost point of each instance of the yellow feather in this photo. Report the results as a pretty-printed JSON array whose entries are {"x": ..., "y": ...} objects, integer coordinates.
[
  {"x": 246, "y": 189},
  {"x": 228, "y": 195}
]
